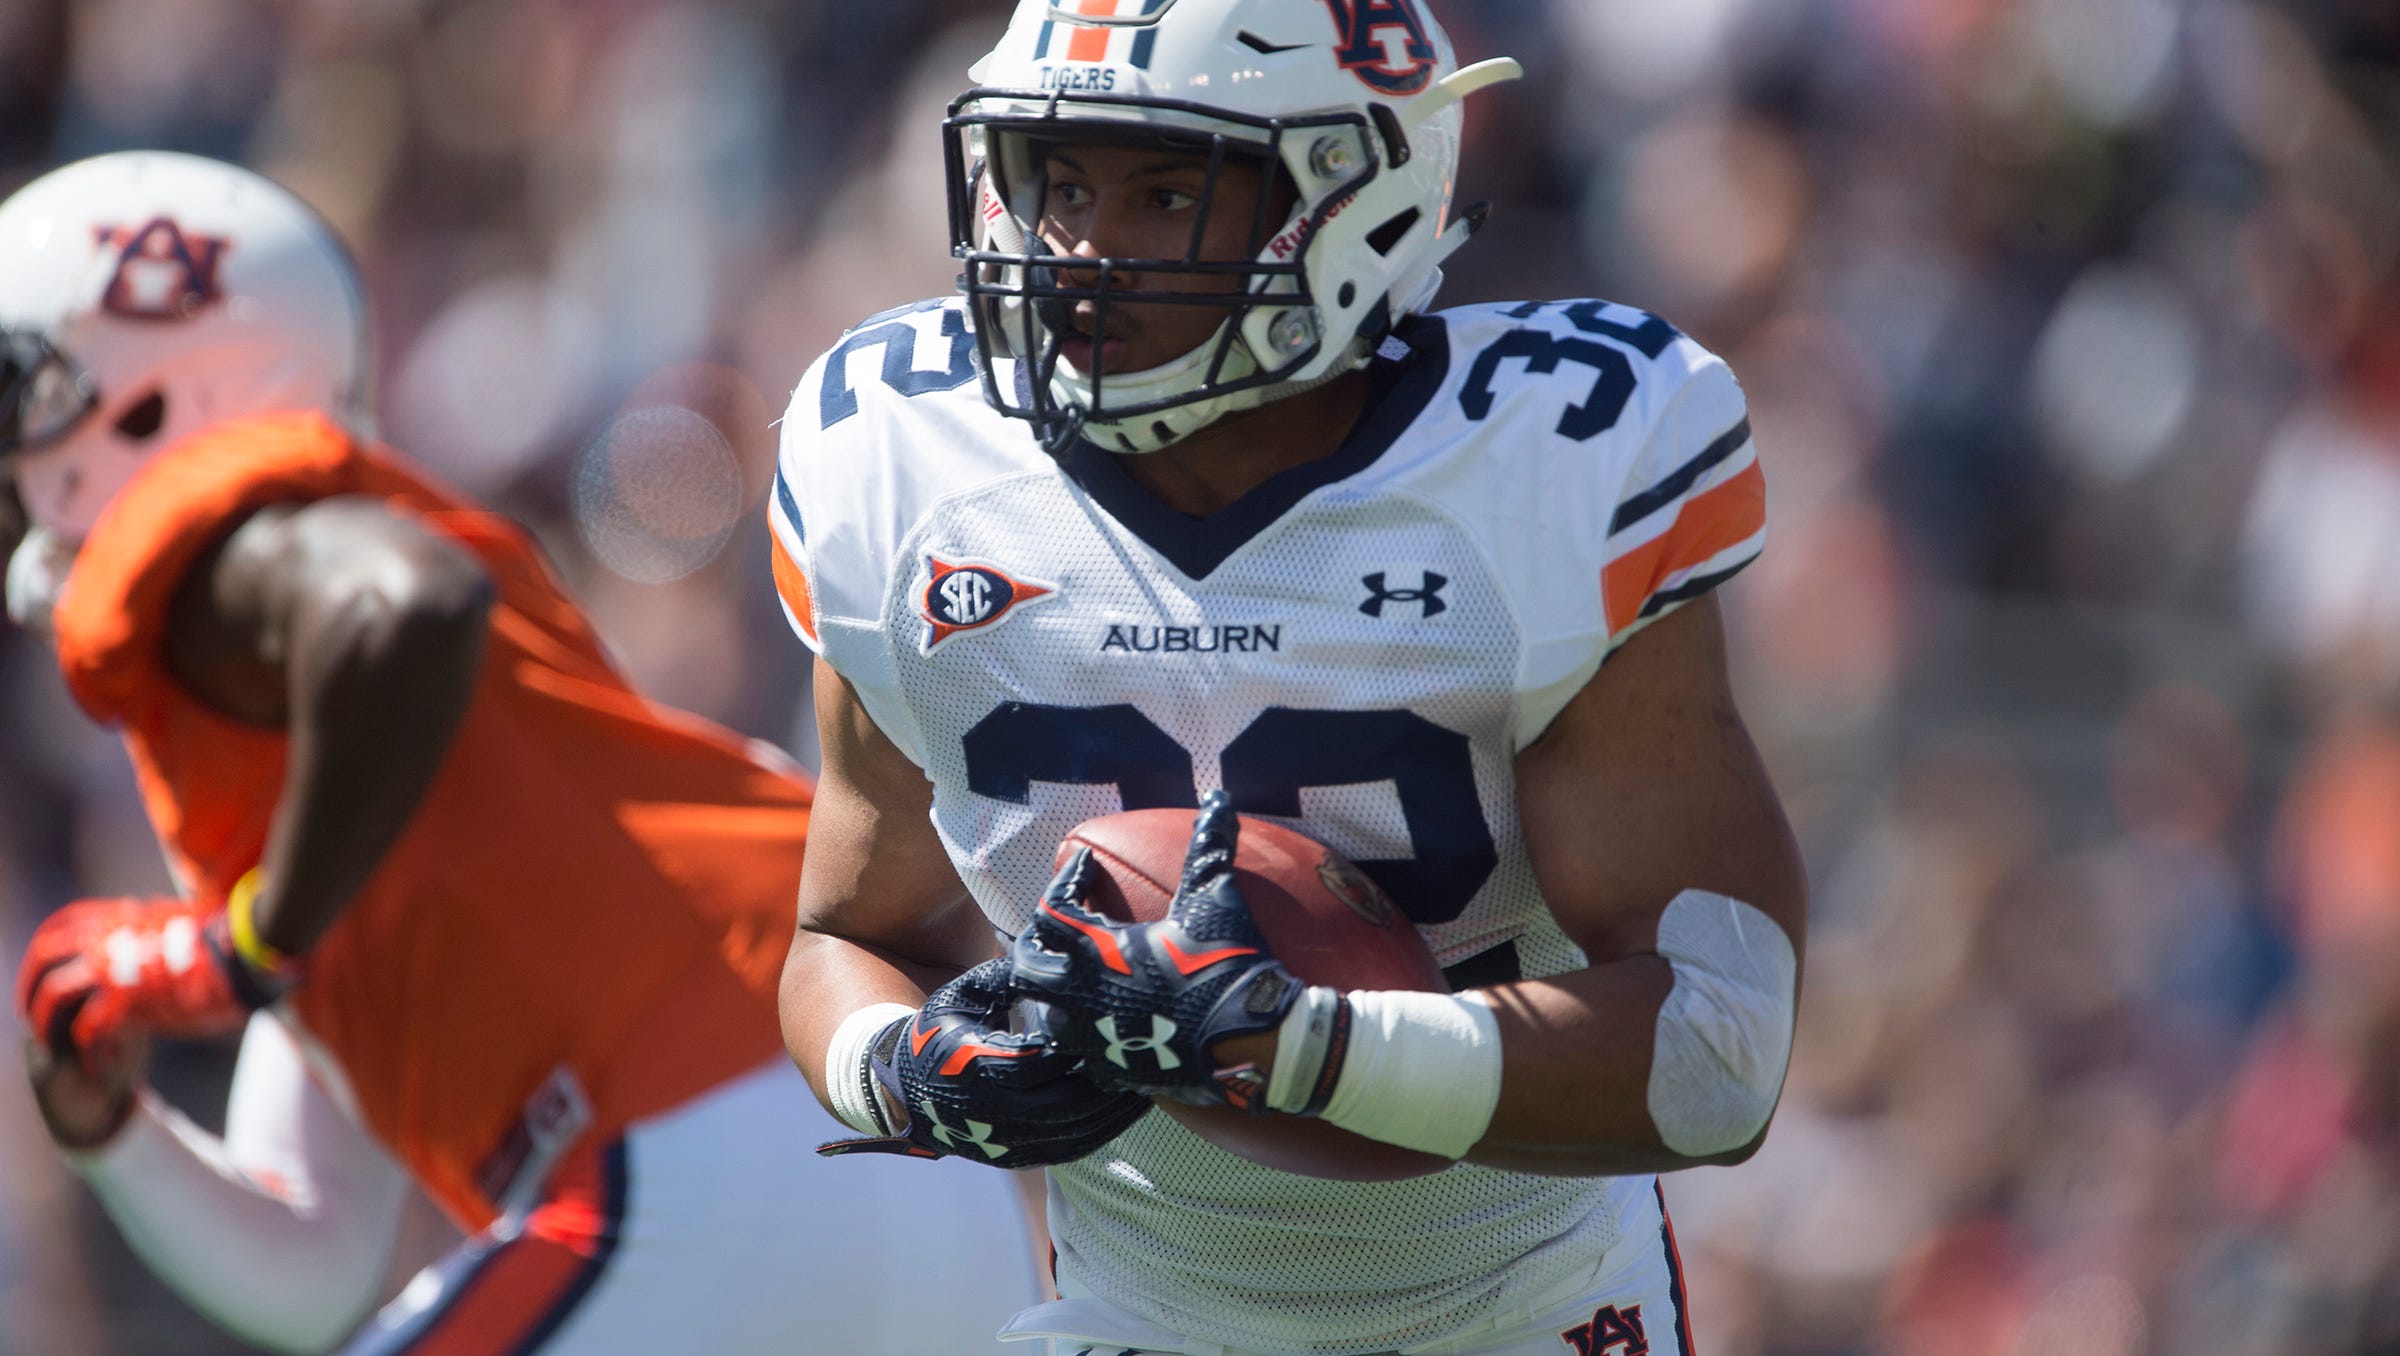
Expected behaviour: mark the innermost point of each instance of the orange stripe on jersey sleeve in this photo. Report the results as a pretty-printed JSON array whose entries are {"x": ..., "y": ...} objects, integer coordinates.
[
  {"x": 792, "y": 585},
  {"x": 1091, "y": 44},
  {"x": 1709, "y": 522}
]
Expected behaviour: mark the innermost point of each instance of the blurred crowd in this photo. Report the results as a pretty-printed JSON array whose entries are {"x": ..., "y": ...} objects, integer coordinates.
[{"x": 2071, "y": 330}]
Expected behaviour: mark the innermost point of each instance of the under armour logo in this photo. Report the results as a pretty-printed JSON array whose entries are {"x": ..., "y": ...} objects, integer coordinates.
[
  {"x": 977, "y": 1133},
  {"x": 1429, "y": 593},
  {"x": 1153, "y": 1045}
]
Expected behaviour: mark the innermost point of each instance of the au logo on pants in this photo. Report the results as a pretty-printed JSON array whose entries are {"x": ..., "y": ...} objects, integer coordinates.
[{"x": 1613, "y": 1331}]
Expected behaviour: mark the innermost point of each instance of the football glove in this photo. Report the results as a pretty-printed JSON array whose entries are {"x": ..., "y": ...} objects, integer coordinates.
[
  {"x": 975, "y": 1089},
  {"x": 1142, "y": 1003},
  {"x": 100, "y": 968}
]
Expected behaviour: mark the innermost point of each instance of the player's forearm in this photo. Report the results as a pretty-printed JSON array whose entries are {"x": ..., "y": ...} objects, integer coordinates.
[
  {"x": 1575, "y": 1081},
  {"x": 287, "y": 1278},
  {"x": 1577, "y": 1055},
  {"x": 826, "y": 978},
  {"x": 380, "y": 679}
]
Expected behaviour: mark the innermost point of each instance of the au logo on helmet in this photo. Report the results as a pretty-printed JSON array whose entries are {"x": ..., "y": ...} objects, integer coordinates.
[
  {"x": 971, "y": 596},
  {"x": 1399, "y": 61},
  {"x": 163, "y": 271}
]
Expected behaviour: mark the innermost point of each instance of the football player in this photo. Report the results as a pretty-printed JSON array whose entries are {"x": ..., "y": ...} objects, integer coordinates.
[
  {"x": 1192, "y": 495},
  {"x": 493, "y": 922}
]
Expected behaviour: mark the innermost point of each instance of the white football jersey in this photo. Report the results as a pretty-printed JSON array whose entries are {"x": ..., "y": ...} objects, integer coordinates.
[{"x": 1360, "y": 647}]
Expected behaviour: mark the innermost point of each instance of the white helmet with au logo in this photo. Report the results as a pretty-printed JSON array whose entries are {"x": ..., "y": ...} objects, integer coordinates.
[
  {"x": 1354, "y": 104},
  {"x": 146, "y": 295}
]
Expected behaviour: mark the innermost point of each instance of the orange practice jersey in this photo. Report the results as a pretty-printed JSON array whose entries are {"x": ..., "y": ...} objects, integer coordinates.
[{"x": 592, "y": 881}]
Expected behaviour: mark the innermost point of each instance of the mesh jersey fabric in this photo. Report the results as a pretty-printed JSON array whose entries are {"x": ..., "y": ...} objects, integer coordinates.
[
  {"x": 1360, "y": 648},
  {"x": 590, "y": 880}
]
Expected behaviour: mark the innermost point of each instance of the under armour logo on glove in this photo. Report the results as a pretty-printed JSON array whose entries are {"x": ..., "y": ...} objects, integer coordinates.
[
  {"x": 1154, "y": 1045},
  {"x": 977, "y": 1134},
  {"x": 1428, "y": 593},
  {"x": 978, "y": 1090},
  {"x": 1198, "y": 976}
]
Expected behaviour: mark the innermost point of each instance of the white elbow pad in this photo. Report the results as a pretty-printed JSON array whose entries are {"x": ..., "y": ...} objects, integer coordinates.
[{"x": 1725, "y": 1031}]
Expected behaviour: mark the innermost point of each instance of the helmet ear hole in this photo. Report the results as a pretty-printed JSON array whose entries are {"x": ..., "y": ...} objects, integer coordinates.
[
  {"x": 142, "y": 421},
  {"x": 1384, "y": 237}
]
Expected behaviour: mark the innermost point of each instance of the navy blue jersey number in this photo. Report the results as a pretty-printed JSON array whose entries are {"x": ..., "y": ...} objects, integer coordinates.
[
  {"x": 898, "y": 339},
  {"x": 1021, "y": 743},
  {"x": 1283, "y": 752},
  {"x": 1543, "y": 351}
]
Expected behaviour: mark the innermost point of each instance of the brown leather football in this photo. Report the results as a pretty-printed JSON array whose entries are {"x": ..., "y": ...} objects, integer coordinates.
[{"x": 1323, "y": 918}]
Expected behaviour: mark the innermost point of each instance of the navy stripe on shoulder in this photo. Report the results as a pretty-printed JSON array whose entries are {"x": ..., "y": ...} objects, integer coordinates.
[
  {"x": 1692, "y": 588},
  {"x": 612, "y": 1228},
  {"x": 1672, "y": 488},
  {"x": 791, "y": 506}
]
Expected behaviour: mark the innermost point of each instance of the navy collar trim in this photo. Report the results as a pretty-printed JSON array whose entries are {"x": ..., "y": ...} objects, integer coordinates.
[{"x": 1398, "y": 392}]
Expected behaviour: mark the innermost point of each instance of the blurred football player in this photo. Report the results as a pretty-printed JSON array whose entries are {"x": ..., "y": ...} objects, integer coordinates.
[
  {"x": 1190, "y": 493},
  {"x": 494, "y": 922}
]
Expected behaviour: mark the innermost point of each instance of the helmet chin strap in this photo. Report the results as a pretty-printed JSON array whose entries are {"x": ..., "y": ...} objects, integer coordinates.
[
  {"x": 1137, "y": 434},
  {"x": 1458, "y": 233}
]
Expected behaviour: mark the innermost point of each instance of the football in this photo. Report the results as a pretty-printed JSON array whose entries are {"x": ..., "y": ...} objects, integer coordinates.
[{"x": 1325, "y": 920}]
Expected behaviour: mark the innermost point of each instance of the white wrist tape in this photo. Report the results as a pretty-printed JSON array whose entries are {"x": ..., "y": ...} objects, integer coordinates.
[
  {"x": 849, "y": 1073},
  {"x": 1725, "y": 1031},
  {"x": 1422, "y": 1072}
]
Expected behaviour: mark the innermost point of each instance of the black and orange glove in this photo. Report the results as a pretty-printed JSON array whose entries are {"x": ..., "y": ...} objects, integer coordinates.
[
  {"x": 1142, "y": 1004},
  {"x": 975, "y": 1089}
]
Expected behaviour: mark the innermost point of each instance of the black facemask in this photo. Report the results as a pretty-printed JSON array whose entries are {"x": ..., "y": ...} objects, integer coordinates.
[
  {"x": 1021, "y": 299},
  {"x": 43, "y": 395}
]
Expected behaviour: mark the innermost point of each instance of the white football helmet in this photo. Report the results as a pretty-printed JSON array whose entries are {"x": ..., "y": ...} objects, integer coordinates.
[
  {"x": 146, "y": 295},
  {"x": 1353, "y": 102}
]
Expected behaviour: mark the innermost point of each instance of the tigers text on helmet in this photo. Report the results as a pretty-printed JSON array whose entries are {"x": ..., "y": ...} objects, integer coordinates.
[
  {"x": 146, "y": 295},
  {"x": 1351, "y": 104}
]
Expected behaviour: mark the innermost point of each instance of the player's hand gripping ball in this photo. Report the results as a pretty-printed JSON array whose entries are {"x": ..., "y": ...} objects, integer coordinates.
[
  {"x": 975, "y": 1089},
  {"x": 1312, "y": 917},
  {"x": 1143, "y": 1003}
]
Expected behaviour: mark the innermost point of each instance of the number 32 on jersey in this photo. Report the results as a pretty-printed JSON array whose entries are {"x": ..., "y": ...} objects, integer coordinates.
[{"x": 1283, "y": 752}]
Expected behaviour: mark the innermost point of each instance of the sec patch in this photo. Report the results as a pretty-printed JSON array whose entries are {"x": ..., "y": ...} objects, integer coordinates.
[{"x": 971, "y": 595}]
